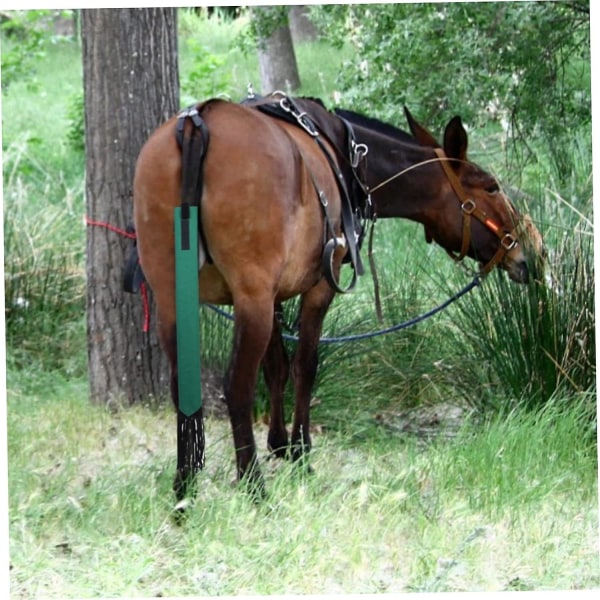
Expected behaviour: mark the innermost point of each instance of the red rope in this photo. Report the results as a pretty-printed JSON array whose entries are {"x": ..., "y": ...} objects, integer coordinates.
[
  {"x": 110, "y": 227},
  {"x": 143, "y": 288}
]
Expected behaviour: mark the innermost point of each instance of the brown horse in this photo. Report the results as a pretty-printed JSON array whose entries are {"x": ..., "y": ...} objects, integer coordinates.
[{"x": 270, "y": 201}]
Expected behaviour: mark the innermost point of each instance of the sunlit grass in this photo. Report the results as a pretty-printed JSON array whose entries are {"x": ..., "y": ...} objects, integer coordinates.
[{"x": 91, "y": 508}]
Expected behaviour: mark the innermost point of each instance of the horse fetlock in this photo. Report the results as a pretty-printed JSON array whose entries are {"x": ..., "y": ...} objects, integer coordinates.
[
  {"x": 301, "y": 449},
  {"x": 184, "y": 486},
  {"x": 278, "y": 444},
  {"x": 252, "y": 482}
]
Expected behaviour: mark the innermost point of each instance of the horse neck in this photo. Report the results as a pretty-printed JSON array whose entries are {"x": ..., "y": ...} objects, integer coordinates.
[{"x": 409, "y": 194}]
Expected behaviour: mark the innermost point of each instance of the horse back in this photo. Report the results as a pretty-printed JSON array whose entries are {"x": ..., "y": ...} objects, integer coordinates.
[{"x": 260, "y": 213}]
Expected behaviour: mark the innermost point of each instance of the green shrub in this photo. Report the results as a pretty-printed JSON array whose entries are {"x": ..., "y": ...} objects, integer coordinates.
[
  {"x": 43, "y": 279},
  {"x": 76, "y": 118},
  {"x": 205, "y": 78}
]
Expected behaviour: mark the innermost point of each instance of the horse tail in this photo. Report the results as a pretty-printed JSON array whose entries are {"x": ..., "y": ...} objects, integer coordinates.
[{"x": 190, "y": 255}]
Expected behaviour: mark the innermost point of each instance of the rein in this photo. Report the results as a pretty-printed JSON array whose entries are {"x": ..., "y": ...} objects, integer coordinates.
[
  {"x": 508, "y": 241},
  {"x": 476, "y": 281}
]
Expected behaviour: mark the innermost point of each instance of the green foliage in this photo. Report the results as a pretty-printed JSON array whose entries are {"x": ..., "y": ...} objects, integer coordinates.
[
  {"x": 535, "y": 341},
  {"x": 205, "y": 78},
  {"x": 76, "y": 117},
  {"x": 44, "y": 285},
  {"x": 525, "y": 65},
  {"x": 23, "y": 43},
  {"x": 505, "y": 467},
  {"x": 26, "y": 36},
  {"x": 264, "y": 20}
]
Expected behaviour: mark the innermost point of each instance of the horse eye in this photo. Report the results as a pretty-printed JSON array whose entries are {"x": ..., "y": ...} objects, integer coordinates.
[{"x": 493, "y": 189}]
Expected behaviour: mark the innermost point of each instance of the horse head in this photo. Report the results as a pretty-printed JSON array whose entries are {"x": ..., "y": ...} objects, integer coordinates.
[{"x": 471, "y": 215}]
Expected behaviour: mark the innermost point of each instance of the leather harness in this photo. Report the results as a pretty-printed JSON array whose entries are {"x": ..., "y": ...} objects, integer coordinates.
[{"x": 469, "y": 208}]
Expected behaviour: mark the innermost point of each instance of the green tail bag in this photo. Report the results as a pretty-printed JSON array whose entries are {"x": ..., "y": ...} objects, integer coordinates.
[{"x": 190, "y": 430}]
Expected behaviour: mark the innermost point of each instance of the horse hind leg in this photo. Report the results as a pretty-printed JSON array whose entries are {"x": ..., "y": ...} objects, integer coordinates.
[
  {"x": 276, "y": 369},
  {"x": 315, "y": 304},
  {"x": 252, "y": 332}
]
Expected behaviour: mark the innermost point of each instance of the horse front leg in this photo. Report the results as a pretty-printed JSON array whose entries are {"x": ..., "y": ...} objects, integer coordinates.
[
  {"x": 276, "y": 370},
  {"x": 252, "y": 331},
  {"x": 315, "y": 304}
]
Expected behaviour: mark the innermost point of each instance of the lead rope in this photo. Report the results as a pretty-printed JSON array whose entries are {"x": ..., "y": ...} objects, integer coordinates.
[
  {"x": 374, "y": 275},
  {"x": 476, "y": 281}
]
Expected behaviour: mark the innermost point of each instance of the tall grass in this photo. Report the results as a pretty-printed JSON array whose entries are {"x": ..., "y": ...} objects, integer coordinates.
[
  {"x": 43, "y": 274},
  {"x": 534, "y": 341}
]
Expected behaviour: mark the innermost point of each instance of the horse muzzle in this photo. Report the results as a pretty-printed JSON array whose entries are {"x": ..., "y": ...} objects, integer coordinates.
[{"x": 518, "y": 271}]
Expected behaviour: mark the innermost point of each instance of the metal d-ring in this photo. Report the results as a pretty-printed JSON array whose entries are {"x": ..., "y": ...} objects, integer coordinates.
[
  {"x": 509, "y": 242},
  {"x": 468, "y": 206}
]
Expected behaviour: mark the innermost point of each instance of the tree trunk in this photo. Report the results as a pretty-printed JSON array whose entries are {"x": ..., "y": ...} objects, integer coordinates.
[
  {"x": 131, "y": 85},
  {"x": 301, "y": 27},
  {"x": 276, "y": 56}
]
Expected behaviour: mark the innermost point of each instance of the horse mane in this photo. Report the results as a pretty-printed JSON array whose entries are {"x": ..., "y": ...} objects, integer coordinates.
[{"x": 374, "y": 125}]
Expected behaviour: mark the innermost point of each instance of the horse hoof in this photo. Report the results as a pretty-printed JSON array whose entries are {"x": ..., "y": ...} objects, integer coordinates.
[
  {"x": 253, "y": 485},
  {"x": 279, "y": 451},
  {"x": 183, "y": 505},
  {"x": 181, "y": 511}
]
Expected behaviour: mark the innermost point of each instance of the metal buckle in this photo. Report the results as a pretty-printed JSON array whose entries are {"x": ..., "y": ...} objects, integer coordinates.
[
  {"x": 284, "y": 103},
  {"x": 359, "y": 151},
  {"x": 468, "y": 207},
  {"x": 509, "y": 242}
]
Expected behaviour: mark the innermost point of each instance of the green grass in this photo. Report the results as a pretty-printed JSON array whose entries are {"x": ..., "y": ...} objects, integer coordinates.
[{"x": 513, "y": 500}]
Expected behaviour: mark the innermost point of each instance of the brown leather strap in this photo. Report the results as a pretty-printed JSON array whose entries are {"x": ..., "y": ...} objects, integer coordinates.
[{"x": 469, "y": 209}]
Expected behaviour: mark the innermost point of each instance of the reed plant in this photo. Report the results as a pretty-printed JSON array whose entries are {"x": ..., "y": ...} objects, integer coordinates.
[
  {"x": 43, "y": 275},
  {"x": 528, "y": 343}
]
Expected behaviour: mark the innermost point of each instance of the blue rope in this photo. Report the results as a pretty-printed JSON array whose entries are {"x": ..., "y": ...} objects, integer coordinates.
[{"x": 364, "y": 336}]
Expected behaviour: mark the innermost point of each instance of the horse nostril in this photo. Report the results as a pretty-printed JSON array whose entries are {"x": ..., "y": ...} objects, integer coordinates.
[{"x": 523, "y": 272}]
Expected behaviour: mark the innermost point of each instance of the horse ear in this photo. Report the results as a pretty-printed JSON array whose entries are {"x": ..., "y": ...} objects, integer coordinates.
[
  {"x": 455, "y": 139},
  {"x": 419, "y": 132}
]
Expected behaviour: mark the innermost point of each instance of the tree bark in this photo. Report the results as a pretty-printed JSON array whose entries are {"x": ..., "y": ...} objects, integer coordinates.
[
  {"x": 131, "y": 85},
  {"x": 301, "y": 27},
  {"x": 276, "y": 56}
]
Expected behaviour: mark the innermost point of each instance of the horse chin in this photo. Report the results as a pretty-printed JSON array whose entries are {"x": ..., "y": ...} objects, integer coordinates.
[{"x": 518, "y": 271}]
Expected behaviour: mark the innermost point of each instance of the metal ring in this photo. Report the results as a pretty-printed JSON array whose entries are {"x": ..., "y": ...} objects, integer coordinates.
[
  {"x": 468, "y": 206},
  {"x": 509, "y": 242}
]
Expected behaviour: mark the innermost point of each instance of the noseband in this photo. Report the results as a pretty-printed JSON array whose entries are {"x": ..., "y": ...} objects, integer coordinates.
[{"x": 469, "y": 208}]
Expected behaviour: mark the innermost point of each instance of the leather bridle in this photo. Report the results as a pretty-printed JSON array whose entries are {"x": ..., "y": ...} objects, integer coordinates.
[{"x": 508, "y": 241}]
